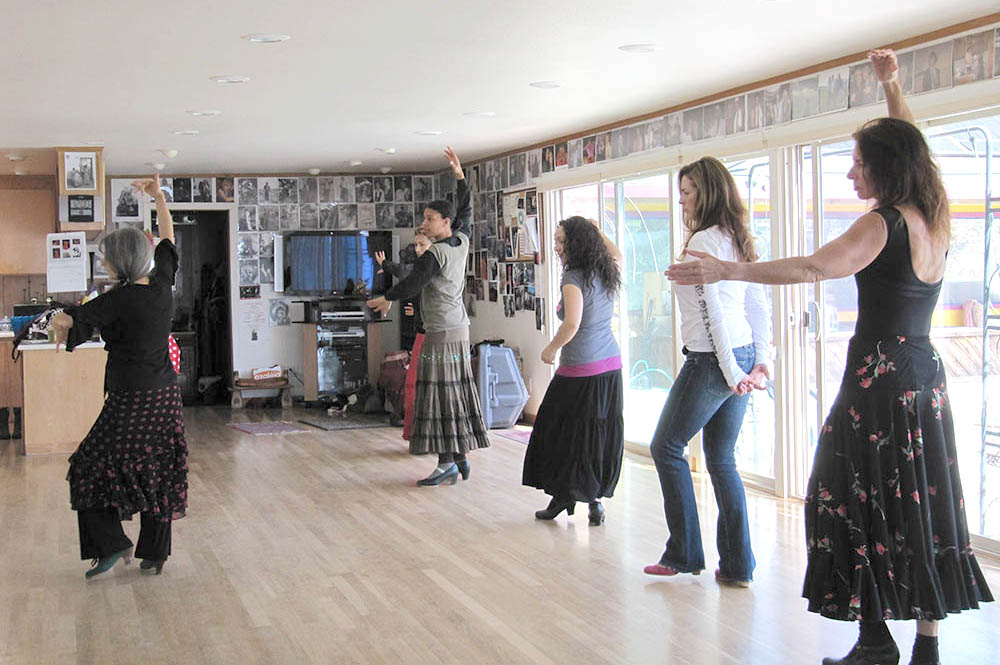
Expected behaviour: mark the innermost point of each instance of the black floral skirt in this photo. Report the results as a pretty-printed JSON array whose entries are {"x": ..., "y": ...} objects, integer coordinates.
[
  {"x": 885, "y": 515},
  {"x": 134, "y": 459}
]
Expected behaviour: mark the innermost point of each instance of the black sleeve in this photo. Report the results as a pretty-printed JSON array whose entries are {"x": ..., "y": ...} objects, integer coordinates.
[
  {"x": 165, "y": 262},
  {"x": 423, "y": 271},
  {"x": 90, "y": 316},
  {"x": 395, "y": 269},
  {"x": 463, "y": 209}
]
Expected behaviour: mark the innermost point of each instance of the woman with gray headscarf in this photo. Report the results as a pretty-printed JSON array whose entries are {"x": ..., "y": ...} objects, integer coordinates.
[{"x": 134, "y": 459}]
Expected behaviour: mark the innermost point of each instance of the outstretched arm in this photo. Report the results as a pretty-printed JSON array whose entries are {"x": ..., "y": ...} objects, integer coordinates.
[
  {"x": 462, "y": 223},
  {"x": 887, "y": 70},
  {"x": 164, "y": 220}
]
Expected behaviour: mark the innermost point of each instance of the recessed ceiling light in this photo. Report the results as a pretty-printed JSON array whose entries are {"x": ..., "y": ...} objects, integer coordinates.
[
  {"x": 206, "y": 112},
  {"x": 159, "y": 166},
  {"x": 386, "y": 151},
  {"x": 16, "y": 158},
  {"x": 266, "y": 38},
  {"x": 430, "y": 132},
  {"x": 385, "y": 169},
  {"x": 480, "y": 114},
  {"x": 185, "y": 132},
  {"x": 229, "y": 78},
  {"x": 545, "y": 85},
  {"x": 313, "y": 171},
  {"x": 169, "y": 153},
  {"x": 639, "y": 48},
  {"x": 356, "y": 162}
]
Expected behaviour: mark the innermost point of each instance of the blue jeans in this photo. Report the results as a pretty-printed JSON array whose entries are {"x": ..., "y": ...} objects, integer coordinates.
[{"x": 701, "y": 399}]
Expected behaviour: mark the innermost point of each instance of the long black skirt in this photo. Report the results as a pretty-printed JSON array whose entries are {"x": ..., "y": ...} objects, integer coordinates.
[
  {"x": 134, "y": 459},
  {"x": 576, "y": 445},
  {"x": 885, "y": 516}
]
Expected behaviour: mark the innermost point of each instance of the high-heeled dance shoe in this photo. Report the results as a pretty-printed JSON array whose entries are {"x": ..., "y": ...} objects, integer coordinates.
[
  {"x": 665, "y": 571},
  {"x": 731, "y": 581},
  {"x": 447, "y": 477},
  {"x": 596, "y": 513},
  {"x": 105, "y": 563},
  {"x": 464, "y": 468},
  {"x": 152, "y": 566},
  {"x": 555, "y": 507},
  {"x": 884, "y": 654}
]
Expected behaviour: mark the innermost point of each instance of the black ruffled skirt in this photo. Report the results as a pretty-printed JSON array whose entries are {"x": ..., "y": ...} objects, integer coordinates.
[
  {"x": 885, "y": 516},
  {"x": 576, "y": 445}
]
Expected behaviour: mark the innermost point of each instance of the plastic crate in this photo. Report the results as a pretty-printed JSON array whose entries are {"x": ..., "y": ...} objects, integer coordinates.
[{"x": 502, "y": 393}]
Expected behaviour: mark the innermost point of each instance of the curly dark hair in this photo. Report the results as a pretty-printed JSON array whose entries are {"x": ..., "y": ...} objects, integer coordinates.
[{"x": 585, "y": 251}]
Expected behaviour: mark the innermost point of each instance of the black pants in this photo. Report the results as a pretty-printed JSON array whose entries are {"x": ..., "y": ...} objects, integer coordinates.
[{"x": 101, "y": 535}]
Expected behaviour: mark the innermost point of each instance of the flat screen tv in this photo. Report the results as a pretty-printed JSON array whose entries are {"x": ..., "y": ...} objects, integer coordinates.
[{"x": 335, "y": 262}]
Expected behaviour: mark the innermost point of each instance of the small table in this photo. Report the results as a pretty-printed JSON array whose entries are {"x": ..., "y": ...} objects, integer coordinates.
[{"x": 280, "y": 383}]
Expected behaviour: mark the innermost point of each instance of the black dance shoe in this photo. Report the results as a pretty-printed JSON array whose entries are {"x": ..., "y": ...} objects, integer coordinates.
[
  {"x": 556, "y": 506},
  {"x": 883, "y": 654},
  {"x": 596, "y": 513},
  {"x": 447, "y": 477},
  {"x": 151, "y": 566},
  {"x": 464, "y": 468}
]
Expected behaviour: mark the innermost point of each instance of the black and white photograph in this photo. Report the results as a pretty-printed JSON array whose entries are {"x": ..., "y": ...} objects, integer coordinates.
[
  {"x": 309, "y": 216},
  {"x": 973, "y": 58},
  {"x": 167, "y": 187},
  {"x": 347, "y": 216},
  {"x": 251, "y": 292},
  {"x": 341, "y": 189},
  {"x": 246, "y": 218},
  {"x": 519, "y": 299},
  {"x": 672, "y": 129},
  {"x": 755, "y": 109},
  {"x": 423, "y": 188},
  {"x": 266, "y": 244},
  {"x": 289, "y": 217},
  {"x": 480, "y": 290},
  {"x": 268, "y": 190},
  {"x": 288, "y": 190},
  {"x": 364, "y": 217},
  {"x": 619, "y": 143},
  {"x": 224, "y": 191},
  {"x": 470, "y": 305},
  {"x": 503, "y": 178},
  {"x": 249, "y": 272},
  {"x": 363, "y": 189},
  {"x": 493, "y": 268},
  {"x": 202, "y": 190},
  {"x": 404, "y": 215},
  {"x": 403, "y": 188},
  {"x": 81, "y": 207},
  {"x": 269, "y": 218},
  {"x": 833, "y": 90},
  {"x": 494, "y": 290},
  {"x": 534, "y": 163},
  {"x": 327, "y": 186},
  {"x": 602, "y": 147},
  {"x": 247, "y": 245},
  {"x": 805, "y": 98},
  {"x": 182, "y": 190},
  {"x": 80, "y": 171},
  {"x": 328, "y": 216},
  {"x": 125, "y": 200},
  {"x": 905, "y": 75},
  {"x": 862, "y": 87},
  {"x": 308, "y": 190},
  {"x": 714, "y": 121},
  {"x": 932, "y": 67},
  {"x": 783, "y": 102},
  {"x": 529, "y": 300},
  {"x": 508, "y": 306},
  {"x": 635, "y": 138},
  {"x": 548, "y": 159},
  {"x": 517, "y": 166},
  {"x": 279, "y": 312},
  {"x": 418, "y": 214},
  {"x": 382, "y": 189},
  {"x": 246, "y": 191},
  {"x": 575, "y": 147},
  {"x": 736, "y": 115},
  {"x": 539, "y": 313},
  {"x": 385, "y": 217},
  {"x": 266, "y": 269},
  {"x": 531, "y": 202},
  {"x": 691, "y": 120},
  {"x": 653, "y": 131}
]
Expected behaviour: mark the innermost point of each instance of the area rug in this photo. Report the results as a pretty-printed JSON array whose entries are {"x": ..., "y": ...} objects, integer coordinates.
[
  {"x": 269, "y": 427},
  {"x": 519, "y": 435},
  {"x": 350, "y": 421}
]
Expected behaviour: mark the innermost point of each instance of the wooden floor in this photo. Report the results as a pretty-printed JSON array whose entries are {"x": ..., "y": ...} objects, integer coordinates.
[{"x": 317, "y": 548}]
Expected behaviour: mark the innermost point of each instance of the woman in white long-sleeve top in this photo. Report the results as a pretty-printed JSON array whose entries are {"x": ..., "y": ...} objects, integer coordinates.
[{"x": 726, "y": 333}]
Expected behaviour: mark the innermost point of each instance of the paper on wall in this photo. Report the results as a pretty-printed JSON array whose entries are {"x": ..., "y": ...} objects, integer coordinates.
[{"x": 66, "y": 262}]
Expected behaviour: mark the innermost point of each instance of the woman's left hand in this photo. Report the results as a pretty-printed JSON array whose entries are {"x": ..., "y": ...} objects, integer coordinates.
[
  {"x": 884, "y": 63},
  {"x": 380, "y": 305},
  {"x": 707, "y": 270},
  {"x": 150, "y": 186},
  {"x": 61, "y": 323},
  {"x": 548, "y": 355}
]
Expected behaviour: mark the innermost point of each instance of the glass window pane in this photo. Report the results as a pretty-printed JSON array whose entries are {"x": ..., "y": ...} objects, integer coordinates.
[{"x": 583, "y": 201}]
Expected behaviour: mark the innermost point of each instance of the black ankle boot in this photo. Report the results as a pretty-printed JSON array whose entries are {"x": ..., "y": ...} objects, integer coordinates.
[
  {"x": 4, "y": 424},
  {"x": 16, "y": 434},
  {"x": 883, "y": 654},
  {"x": 556, "y": 506},
  {"x": 596, "y": 513}
]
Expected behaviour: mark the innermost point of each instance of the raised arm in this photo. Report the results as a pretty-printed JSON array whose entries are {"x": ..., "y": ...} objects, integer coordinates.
[
  {"x": 164, "y": 220},
  {"x": 887, "y": 70},
  {"x": 613, "y": 250},
  {"x": 462, "y": 223}
]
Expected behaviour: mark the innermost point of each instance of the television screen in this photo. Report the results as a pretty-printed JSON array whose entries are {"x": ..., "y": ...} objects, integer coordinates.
[{"x": 335, "y": 263}]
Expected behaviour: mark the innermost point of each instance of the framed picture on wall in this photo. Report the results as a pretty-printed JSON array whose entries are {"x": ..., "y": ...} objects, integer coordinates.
[{"x": 80, "y": 171}]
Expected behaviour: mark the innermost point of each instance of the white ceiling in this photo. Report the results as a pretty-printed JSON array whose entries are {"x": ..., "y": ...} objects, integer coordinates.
[{"x": 356, "y": 76}]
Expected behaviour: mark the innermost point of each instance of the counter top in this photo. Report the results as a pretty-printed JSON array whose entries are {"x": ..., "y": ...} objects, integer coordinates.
[
  {"x": 6, "y": 334},
  {"x": 48, "y": 346}
]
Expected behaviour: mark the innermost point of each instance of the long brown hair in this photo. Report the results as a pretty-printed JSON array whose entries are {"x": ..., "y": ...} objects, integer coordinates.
[
  {"x": 899, "y": 166},
  {"x": 585, "y": 251},
  {"x": 718, "y": 204}
]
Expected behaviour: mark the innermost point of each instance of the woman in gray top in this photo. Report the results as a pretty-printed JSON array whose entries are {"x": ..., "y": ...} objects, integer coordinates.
[
  {"x": 447, "y": 416},
  {"x": 575, "y": 451}
]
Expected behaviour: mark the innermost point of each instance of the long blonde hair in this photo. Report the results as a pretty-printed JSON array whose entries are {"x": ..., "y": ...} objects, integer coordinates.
[{"x": 718, "y": 204}]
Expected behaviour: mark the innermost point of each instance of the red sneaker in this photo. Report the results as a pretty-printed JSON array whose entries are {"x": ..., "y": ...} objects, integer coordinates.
[{"x": 657, "y": 569}]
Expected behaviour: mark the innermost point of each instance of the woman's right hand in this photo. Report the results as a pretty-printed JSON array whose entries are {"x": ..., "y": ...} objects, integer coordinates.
[
  {"x": 884, "y": 63},
  {"x": 150, "y": 186},
  {"x": 61, "y": 323},
  {"x": 380, "y": 257}
]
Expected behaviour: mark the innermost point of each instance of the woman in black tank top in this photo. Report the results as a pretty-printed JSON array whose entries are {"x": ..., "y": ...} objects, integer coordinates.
[{"x": 885, "y": 519}]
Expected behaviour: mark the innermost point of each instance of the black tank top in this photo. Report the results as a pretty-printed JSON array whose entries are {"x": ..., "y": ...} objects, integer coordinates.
[{"x": 892, "y": 300}]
